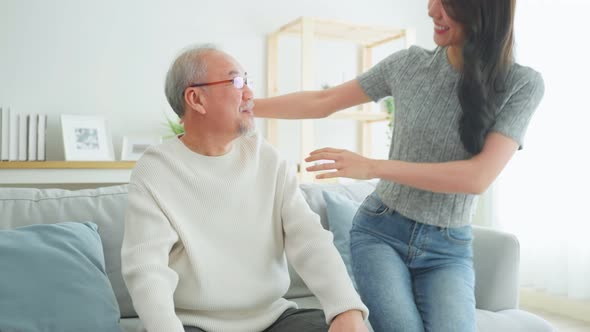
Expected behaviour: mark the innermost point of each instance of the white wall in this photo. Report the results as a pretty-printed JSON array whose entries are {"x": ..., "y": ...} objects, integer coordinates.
[{"x": 109, "y": 57}]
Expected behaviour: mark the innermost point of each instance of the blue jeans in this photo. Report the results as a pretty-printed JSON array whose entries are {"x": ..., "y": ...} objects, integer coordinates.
[{"x": 412, "y": 276}]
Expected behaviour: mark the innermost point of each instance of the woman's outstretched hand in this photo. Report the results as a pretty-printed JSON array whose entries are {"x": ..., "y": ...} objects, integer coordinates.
[{"x": 343, "y": 163}]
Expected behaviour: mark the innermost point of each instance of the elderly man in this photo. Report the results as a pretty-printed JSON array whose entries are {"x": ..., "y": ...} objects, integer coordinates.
[{"x": 211, "y": 214}]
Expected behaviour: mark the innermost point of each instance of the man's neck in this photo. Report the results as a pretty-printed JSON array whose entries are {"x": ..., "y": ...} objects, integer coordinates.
[{"x": 207, "y": 146}]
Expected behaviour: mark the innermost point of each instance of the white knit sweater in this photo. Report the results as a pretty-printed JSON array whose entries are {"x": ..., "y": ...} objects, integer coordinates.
[{"x": 205, "y": 240}]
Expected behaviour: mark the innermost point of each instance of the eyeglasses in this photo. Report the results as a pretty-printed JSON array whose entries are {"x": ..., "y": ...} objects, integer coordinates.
[{"x": 237, "y": 82}]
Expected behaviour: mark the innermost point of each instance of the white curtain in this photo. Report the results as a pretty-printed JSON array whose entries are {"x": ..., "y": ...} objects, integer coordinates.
[{"x": 543, "y": 195}]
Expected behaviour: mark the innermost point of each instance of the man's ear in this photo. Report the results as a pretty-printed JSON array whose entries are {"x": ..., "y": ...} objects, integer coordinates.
[{"x": 194, "y": 100}]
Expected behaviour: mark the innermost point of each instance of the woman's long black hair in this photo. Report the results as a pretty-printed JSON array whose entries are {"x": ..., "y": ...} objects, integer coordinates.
[{"x": 487, "y": 57}]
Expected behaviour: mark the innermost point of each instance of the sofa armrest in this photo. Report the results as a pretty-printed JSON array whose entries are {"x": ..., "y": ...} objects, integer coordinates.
[{"x": 496, "y": 257}]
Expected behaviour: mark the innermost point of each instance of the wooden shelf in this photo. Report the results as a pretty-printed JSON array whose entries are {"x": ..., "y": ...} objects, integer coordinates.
[
  {"x": 65, "y": 172},
  {"x": 369, "y": 36},
  {"x": 308, "y": 30},
  {"x": 360, "y": 116},
  {"x": 67, "y": 165}
]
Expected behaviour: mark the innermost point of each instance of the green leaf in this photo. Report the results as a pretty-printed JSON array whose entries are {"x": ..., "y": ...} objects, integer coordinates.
[{"x": 175, "y": 126}]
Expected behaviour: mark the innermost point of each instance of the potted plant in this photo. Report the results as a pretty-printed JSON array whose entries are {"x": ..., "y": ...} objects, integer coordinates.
[
  {"x": 389, "y": 106},
  {"x": 175, "y": 126}
]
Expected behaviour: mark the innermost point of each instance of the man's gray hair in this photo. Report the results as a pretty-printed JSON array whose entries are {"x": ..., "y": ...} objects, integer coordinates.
[{"x": 188, "y": 68}]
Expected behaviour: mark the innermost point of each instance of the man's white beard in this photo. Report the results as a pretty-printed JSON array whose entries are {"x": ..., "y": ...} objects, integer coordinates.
[{"x": 245, "y": 128}]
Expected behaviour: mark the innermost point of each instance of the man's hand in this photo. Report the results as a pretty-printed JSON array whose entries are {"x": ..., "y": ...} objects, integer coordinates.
[{"x": 348, "y": 321}]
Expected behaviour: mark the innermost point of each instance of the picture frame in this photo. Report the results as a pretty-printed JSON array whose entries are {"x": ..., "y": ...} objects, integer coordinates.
[
  {"x": 86, "y": 138},
  {"x": 133, "y": 147}
]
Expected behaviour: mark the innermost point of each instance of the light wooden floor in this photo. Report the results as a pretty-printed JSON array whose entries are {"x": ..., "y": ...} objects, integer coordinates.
[{"x": 561, "y": 323}]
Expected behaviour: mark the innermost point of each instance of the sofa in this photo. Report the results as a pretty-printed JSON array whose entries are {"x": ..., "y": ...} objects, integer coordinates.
[{"x": 102, "y": 292}]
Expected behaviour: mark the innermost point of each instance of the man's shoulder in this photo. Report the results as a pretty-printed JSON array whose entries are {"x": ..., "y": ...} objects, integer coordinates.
[
  {"x": 157, "y": 151},
  {"x": 154, "y": 158},
  {"x": 256, "y": 142},
  {"x": 268, "y": 155}
]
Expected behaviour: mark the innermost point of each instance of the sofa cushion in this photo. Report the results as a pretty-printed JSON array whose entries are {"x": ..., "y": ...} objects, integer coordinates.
[
  {"x": 314, "y": 195},
  {"x": 52, "y": 278},
  {"x": 510, "y": 320},
  {"x": 340, "y": 212},
  {"x": 103, "y": 206},
  {"x": 106, "y": 206}
]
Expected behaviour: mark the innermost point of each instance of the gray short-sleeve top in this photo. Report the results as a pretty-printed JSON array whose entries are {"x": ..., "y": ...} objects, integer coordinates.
[{"x": 426, "y": 125}]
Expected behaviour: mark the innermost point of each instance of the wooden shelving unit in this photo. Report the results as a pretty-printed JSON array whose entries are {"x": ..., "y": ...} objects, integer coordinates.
[
  {"x": 308, "y": 30},
  {"x": 67, "y": 165},
  {"x": 64, "y": 172},
  {"x": 360, "y": 116}
]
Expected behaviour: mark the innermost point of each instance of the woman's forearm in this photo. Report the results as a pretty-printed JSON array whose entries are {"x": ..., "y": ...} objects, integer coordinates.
[
  {"x": 471, "y": 176},
  {"x": 449, "y": 177},
  {"x": 311, "y": 104},
  {"x": 297, "y": 105}
]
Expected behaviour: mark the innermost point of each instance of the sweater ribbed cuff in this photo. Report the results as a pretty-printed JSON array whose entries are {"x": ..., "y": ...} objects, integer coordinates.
[{"x": 159, "y": 323}]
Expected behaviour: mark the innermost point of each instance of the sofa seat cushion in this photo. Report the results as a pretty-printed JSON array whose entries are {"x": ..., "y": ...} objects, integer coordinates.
[
  {"x": 487, "y": 321},
  {"x": 52, "y": 278},
  {"x": 510, "y": 320},
  {"x": 130, "y": 324}
]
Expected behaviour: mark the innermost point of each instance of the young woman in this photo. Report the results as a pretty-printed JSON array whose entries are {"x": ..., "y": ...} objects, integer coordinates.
[{"x": 461, "y": 113}]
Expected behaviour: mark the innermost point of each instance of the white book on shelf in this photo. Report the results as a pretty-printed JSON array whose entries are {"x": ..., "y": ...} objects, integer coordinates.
[
  {"x": 5, "y": 134},
  {"x": 41, "y": 129},
  {"x": 12, "y": 136},
  {"x": 32, "y": 141},
  {"x": 22, "y": 137}
]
